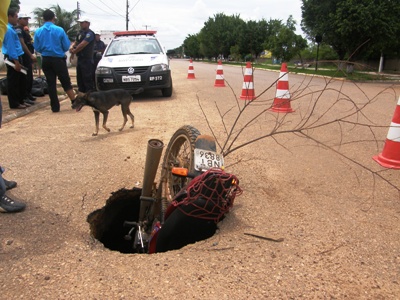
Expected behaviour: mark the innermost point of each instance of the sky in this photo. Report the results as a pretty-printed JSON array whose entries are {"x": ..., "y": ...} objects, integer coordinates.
[{"x": 173, "y": 20}]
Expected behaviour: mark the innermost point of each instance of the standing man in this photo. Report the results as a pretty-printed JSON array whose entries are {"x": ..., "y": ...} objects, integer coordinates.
[
  {"x": 7, "y": 204},
  {"x": 83, "y": 48},
  {"x": 52, "y": 42},
  {"x": 98, "y": 51},
  {"x": 12, "y": 50},
  {"x": 28, "y": 58}
]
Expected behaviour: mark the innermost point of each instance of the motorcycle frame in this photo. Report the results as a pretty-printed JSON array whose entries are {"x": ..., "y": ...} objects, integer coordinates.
[{"x": 153, "y": 201}]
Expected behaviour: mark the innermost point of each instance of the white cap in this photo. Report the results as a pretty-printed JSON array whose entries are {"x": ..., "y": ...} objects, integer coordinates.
[
  {"x": 84, "y": 19},
  {"x": 23, "y": 16}
]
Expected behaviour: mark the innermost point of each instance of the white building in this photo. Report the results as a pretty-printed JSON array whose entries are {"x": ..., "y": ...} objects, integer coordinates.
[{"x": 106, "y": 35}]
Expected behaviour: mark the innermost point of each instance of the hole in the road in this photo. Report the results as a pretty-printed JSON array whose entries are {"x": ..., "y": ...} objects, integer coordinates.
[{"x": 106, "y": 224}]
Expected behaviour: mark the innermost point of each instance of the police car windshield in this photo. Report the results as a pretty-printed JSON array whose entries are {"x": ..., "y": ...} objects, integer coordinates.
[{"x": 126, "y": 46}]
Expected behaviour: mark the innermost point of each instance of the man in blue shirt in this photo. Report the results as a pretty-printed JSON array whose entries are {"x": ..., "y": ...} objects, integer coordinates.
[
  {"x": 12, "y": 50},
  {"x": 52, "y": 42},
  {"x": 7, "y": 204}
]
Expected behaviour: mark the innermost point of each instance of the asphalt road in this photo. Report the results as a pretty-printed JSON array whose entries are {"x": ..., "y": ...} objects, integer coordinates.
[{"x": 310, "y": 181}]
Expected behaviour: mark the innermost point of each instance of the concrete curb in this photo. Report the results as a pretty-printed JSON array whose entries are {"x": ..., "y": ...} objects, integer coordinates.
[
  {"x": 23, "y": 112},
  {"x": 395, "y": 80}
]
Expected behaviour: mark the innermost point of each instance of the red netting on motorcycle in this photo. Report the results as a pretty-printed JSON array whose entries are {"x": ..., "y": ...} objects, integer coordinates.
[{"x": 210, "y": 195}]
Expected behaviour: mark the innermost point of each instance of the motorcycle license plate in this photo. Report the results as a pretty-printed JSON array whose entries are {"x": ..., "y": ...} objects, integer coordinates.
[{"x": 205, "y": 159}]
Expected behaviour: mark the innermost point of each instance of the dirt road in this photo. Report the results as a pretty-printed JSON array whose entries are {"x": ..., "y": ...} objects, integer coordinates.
[{"x": 339, "y": 223}]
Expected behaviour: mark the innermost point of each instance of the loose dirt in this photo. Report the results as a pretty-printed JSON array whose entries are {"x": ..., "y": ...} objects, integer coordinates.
[{"x": 339, "y": 224}]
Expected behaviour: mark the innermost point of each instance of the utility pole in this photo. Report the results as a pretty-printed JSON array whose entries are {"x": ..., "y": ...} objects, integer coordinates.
[
  {"x": 78, "y": 10},
  {"x": 318, "y": 39},
  {"x": 127, "y": 14},
  {"x": 78, "y": 15}
]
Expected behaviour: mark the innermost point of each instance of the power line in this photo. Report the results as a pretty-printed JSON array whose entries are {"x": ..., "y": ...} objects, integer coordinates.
[
  {"x": 134, "y": 5},
  {"x": 117, "y": 14},
  {"x": 105, "y": 10}
]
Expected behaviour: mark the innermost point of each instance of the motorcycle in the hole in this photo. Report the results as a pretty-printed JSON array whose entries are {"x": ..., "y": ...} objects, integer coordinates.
[{"x": 193, "y": 195}]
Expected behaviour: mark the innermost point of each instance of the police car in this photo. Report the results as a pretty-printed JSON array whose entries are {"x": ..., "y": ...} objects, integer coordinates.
[{"x": 134, "y": 61}]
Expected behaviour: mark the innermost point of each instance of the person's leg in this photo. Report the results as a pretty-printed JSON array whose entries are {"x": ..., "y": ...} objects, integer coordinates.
[
  {"x": 79, "y": 77},
  {"x": 87, "y": 75},
  {"x": 9, "y": 184},
  {"x": 29, "y": 81},
  {"x": 8, "y": 204},
  {"x": 51, "y": 78},
  {"x": 21, "y": 84},
  {"x": 13, "y": 92},
  {"x": 65, "y": 79},
  {"x": 2, "y": 186},
  {"x": 71, "y": 95},
  {"x": 95, "y": 63},
  {"x": 27, "y": 62}
]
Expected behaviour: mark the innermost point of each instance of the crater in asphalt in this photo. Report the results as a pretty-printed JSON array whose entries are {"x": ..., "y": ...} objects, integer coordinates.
[
  {"x": 181, "y": 229},
  {"x": 107, "y": 223}
]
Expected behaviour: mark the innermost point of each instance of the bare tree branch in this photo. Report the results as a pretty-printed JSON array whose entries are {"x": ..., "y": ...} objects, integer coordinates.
[{"x": 329, "y": 107}]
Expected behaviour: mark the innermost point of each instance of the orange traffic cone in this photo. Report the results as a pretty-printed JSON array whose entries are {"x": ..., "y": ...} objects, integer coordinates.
[
  {"x": 248, "y": 85},
  {"x": 219, "y": 78},
  {"x": 191, "y": 71},
  {"x": 390, "y": 156},
  {"x": 282, "y": 96}
]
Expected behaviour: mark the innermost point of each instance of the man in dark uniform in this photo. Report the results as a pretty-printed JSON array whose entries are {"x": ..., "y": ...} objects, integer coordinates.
[
  {"x": 27, "y": 58},
  {"x": 98, "y": 51},
  {"x": 83, "y": 48}
]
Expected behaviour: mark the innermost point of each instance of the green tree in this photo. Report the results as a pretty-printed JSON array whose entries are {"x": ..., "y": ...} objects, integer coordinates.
[
  {"x": 230, "y": 35},
  {"x": 283, "y": 42},
  {"x": 367, "y": 25},
  {"x": 15, "y": 4},
  {"x": 178, "y": 52},
  {"x": 235, "y": 53},
  {"x": 254, "y": 35},
  {"x": 325, "y": 53},
  {"x": 192, "y": 46},
  {"x": 37, "y": 17},
  {"x": 354, "y": 28},
  {"x": 64, "y": 19},
  {"x": 219, "y": 34}
]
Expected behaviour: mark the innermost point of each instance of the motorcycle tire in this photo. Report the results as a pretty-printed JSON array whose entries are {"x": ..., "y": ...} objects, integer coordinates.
[{"x": 179, "y": 153}]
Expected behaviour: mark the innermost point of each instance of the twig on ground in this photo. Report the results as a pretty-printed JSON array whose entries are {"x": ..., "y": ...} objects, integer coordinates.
[{"x": 265, "y": 238}]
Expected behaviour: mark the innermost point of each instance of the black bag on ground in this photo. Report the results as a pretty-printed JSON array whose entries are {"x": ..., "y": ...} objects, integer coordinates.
[
  {"x": 39, "y": 86},
  {"x": 3, "y": 86}
]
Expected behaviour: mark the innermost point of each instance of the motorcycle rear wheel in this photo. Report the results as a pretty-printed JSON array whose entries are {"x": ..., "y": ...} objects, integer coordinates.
[{"x": 179, "y": 153}]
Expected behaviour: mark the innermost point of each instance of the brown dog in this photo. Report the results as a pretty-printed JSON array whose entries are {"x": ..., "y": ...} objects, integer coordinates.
[{"x": 101, "y": 102}]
